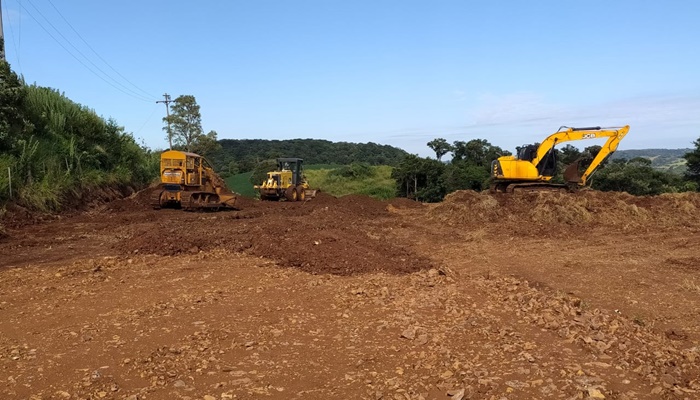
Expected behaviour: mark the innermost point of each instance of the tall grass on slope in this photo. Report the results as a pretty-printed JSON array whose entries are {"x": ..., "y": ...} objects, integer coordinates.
[
  {"x": 60, "y": 150},
  {"x": 374, "y": 181}
]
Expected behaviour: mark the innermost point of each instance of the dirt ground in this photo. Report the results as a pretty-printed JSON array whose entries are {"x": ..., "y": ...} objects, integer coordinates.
[{"x": 526, "y": 296}]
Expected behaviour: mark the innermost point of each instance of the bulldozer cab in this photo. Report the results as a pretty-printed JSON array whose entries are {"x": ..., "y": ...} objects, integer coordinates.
[
  {"x": 182, "y": 168},
  {"x": 295, "y": 166}
]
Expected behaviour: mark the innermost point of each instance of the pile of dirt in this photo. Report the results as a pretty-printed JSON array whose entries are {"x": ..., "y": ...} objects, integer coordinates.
[
  {"x": 140, "y": 200},
  {"x": 531, "y": 211},
  {"x": 14, "y": 216},
  {"x": 344, "y": 236}
]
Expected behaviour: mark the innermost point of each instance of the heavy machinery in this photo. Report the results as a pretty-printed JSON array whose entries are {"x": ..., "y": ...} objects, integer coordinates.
[
  {"x": 533, "y": 167},
  {"x": 187, "y": 180},
  {"x": 287, "y": 182}
]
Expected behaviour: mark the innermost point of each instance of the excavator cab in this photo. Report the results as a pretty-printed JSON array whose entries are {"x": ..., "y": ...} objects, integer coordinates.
[{"x": 527, "y": 152}]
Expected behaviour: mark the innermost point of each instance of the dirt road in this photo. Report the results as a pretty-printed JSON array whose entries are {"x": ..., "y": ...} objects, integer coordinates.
[{"x": 579, "y": 296}]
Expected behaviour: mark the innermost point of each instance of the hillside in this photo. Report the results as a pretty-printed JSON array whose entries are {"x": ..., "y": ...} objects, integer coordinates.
[
  {"x": 245, "y": 153},
  {"x": 666, "y": 159},
  {"x": 334, "y": 180}
]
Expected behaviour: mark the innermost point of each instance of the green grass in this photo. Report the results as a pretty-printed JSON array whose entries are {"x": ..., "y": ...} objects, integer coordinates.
[
  {"x": 240, "y": 184},
  {"x": 380, "y": 185},
  {"x": 321, "y": 166}
]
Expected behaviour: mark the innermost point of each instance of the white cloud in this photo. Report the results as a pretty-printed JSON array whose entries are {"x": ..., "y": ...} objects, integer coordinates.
[
  {"x": 459, "y": 95},
  {"x": 513, "y": 108}
]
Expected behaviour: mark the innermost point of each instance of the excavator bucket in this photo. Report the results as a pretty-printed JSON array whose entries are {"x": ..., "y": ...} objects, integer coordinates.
[{"x": 571, "y": 173}]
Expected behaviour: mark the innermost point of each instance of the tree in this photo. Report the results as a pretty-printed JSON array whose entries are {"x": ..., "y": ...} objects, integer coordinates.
[
  {"x": 637, "y": 177},
  {"x": 260, "y": 171},
  {"x": 420, "y": 178},
  {"x": 568, "y": 154},
  {"x": 440, "y": 147},
  {"x": 477, "y": 152},
  {"x": 464, "y": 175},
  {"x": 206, "y": 144},
  {"x": 12, "y": 107},
  {"x": 693, "y": 163},
  {"x": 186, "y": 122}
]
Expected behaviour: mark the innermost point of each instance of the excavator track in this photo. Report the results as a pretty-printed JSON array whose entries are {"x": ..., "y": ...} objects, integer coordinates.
[
  {"x": 505, "y": 187},
  {"x": 536, "y": 187}
]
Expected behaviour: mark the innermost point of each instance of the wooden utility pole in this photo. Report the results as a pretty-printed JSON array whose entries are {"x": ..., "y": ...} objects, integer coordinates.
[
  {"x": 2, "y": 36},
  {"x": 167, "y": 102}
]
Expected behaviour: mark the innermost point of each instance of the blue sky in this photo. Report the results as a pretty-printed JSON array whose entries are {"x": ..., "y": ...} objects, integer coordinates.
[{"x": 390, "y": 72}]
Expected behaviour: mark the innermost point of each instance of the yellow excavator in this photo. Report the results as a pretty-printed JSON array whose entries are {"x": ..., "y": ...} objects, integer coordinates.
[
  {"x": 188, "y": 181},
  {"x": 533, "y": 167},
  {"x": 287, "y": 182}
]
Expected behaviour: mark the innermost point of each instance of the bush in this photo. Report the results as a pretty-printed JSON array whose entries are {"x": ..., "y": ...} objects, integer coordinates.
[{"x": 56, "y": 148}]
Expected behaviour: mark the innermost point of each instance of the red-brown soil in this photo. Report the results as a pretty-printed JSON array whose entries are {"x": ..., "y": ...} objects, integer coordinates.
[{"x": 547, "y": 295}]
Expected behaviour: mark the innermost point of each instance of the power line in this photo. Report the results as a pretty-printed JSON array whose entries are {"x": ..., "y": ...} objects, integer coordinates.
[
  {"x": 147, "y": 120},
  {"x": 79, "y": 60},
  {"x": 12, "y": 33},
  {"x": 84, "y": 56},
  {"x": 19, "y": 38},
  {"x": 95, "y": 52}
]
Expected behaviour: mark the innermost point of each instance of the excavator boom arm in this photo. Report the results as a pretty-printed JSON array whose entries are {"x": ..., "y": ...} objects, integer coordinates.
[
  {"x": 614, "y": 136},
  {"x": 608, "y": 148}
]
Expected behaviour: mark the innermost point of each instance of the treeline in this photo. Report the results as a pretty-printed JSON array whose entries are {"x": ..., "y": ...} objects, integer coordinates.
[
  {"x": 54, "y": 151},
  {"x": 671, "y": 160},
  {"x": 429, "y": 180},
  {"x": 637, "y": 176},
  {"x": 242, "y": 155}
]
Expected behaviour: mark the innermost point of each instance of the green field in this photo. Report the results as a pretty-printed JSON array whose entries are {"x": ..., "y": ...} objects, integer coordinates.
[
  {"x": 378, "y": 182},
  {"x": 240, "y": 184}
]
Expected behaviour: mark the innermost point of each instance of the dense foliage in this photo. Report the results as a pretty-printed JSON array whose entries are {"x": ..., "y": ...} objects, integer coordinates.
[
  {"x": 427, "y": 179},
  {"x": 55, "y": 150},
  {"x": 236, "y": 156},
  {"x": 638, "y": 177},
  {"x": 692, "y": 158}
]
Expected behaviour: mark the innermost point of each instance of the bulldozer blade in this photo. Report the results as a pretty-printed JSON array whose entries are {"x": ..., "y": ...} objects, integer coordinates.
[
  {"x": 310, "y": 193},
  {"x": 571, "y": 173}
]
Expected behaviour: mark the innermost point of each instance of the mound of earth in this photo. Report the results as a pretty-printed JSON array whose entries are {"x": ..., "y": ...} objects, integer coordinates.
[
  {"x": 345, "y": 235},
  {"x": 531, "y": 211}
]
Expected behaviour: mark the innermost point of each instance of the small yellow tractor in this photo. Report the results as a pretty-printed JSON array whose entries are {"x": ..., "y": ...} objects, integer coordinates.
[
  {"x": 287, "y": 182},
  {"x": 188, "y": 181}
]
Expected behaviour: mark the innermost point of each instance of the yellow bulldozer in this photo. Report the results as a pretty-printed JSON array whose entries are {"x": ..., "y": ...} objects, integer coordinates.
[
  {"x": 188, "y": 181},
  {"x": 533, "y": 167},
  {"x": 287, "y": 182}
]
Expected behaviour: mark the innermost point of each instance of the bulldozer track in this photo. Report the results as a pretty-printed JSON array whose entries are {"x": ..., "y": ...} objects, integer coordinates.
[
  {"x": 155, "y": 199},
  {"x": 200, "y": 201}
]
